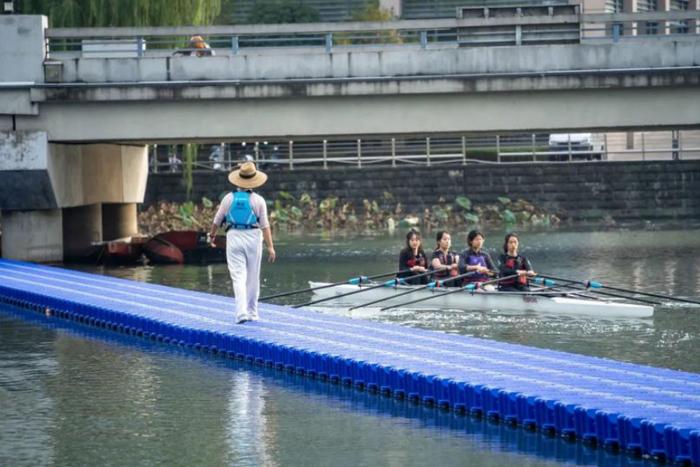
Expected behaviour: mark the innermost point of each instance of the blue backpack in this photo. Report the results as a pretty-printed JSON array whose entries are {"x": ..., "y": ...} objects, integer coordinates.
[{"x": 241, "y": 215}]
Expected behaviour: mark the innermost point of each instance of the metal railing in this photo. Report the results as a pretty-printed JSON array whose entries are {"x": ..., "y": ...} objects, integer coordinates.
[
  {"x": 329, "y": 37},
  {"x": 429, "y": 151}
]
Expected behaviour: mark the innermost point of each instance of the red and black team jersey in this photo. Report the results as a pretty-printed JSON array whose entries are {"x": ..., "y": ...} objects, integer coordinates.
[
  {"x": 508, "y": 265},
  {"x": 445, "y": 259},
  {"x": 407, "y": 260}
]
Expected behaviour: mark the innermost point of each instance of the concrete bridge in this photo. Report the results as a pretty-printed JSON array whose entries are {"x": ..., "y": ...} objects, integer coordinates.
[{"x": 72, "y": 99}]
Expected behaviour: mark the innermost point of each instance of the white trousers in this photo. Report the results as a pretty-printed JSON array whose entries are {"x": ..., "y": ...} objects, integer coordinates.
[{"x": 243, "y": 256}]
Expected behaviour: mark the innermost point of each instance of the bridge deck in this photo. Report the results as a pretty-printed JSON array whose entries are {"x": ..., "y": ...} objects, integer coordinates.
[{"x": 642, "y": 409}]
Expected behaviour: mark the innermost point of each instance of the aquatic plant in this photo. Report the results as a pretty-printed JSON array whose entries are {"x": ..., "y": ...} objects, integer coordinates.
[{"x": 287, "y": 212}]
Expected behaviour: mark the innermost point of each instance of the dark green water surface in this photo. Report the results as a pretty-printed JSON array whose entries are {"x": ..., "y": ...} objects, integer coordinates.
[{"x": 71, "y": 396}]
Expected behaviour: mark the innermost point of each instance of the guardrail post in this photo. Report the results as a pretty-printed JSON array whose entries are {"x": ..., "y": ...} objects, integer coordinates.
[
  {"x": 605, "y": 142},
  {"x": 139, "y": 46},
  {"x": 498, "y": 148},
  {"x": 393, "y": 152},
  {"x": 329, "y": 42},
  {"x": 680, "y": 146},
  {"x": 518, "y": 34},
  {"x": 644, "y": 149},
  {"x": 154, "y": 159},
  {"x": 291, "y": 155},
  {"x": 534, "y": 156},
  {"x": 616, "y": 32},
  {"x": 359, "y": 153},
  {"x": 569, "y": 147},
  {"x": 427, "y": 150},
  {"x": 675, "y": 144},
  {"x": 464, "y": 150},
  {"x": 235, "y": 45},
  {"x": 423, "y": 39},
  {"x": 325, "y": 154}
]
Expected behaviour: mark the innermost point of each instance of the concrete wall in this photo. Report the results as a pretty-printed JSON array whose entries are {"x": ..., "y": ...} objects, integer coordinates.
[
  {"x": 585, "y": 191},
  {"x": 404, "y": 60},
  {"x": 32, "y": 235},
  {"x": 22, "y": 48}
]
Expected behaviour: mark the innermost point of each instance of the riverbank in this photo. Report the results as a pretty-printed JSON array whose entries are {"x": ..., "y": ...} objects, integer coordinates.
[
  {"x": 599, "y": 192},
  {"x": 307, "y": 215}
]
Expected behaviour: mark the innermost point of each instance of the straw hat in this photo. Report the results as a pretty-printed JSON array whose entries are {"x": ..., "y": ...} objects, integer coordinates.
[{"x": 247, "y": 176}]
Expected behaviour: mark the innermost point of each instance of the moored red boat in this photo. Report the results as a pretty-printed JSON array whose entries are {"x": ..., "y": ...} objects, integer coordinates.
[
  {"x": 161, "y": 251},
  {"x": 192, "y": 245},
  {"x": 123, "y": 251}
]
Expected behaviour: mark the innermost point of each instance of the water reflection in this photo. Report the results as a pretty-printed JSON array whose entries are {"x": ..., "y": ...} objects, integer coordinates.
[
  {"x": 195, "y": 410},
  {"x": 249, "y": 431}
]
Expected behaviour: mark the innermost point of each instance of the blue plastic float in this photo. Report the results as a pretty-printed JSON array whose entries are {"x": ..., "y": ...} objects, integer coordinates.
[{"x": 639, "y": 409}]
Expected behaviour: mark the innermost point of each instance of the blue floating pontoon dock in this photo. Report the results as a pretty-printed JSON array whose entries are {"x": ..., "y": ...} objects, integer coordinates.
[{"x": 641, "y": 409}]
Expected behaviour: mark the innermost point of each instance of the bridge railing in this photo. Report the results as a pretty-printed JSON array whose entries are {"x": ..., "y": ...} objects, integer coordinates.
[
  {"x": 423, "y": 34},
  {"x": 437, "y": 150}
]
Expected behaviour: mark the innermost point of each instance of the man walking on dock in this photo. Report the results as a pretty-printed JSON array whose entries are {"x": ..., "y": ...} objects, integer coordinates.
[{"x": 244, "y": 215}]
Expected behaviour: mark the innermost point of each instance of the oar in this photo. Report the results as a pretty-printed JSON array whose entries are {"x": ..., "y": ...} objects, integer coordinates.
[
  {"x": 592, "y": 286},
  {"x": 433, "y": 284},
  {"x": 391, "y": 283},
  {"x": 362, "y": 305},
  {"x": 353, "y": 281},
  {"x": 468, "y": 287}
]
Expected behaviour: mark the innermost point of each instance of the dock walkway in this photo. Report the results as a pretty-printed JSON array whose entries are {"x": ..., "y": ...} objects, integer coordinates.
[{"x": 636, "y": 408}]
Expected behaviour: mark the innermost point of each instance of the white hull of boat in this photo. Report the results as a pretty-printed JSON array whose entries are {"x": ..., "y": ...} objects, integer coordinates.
[{"x": 505, "y": 301}]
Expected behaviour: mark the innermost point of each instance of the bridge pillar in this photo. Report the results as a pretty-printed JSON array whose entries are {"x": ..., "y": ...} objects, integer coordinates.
[
  {"x": 119, "y": 220},
  {"x": 82, "y": 225},
  {"x": 58, "y": 198},
  {"x": 32, "y": 235}
]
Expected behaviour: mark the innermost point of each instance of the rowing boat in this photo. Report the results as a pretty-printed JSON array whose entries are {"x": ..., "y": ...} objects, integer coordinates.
[{"x": 544, "y": 301}]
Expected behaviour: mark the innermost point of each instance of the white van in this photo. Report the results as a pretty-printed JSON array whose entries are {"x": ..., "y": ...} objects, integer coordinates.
[{"x": 587, "y": 146}]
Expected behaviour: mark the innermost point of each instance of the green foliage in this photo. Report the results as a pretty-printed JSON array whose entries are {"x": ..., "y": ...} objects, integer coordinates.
[
  {"x": 504, "y": 201},
  {"x": 372, "y": 12},
  {"x": 286, "y": 196},
  {"x": 97, "y": 13},
  {"x": 206, "y": 202},
  {"x": 464, "y": 202},
  {"x": 282, "y": 11},
  {"x": 471, "y": 218},
  {"x": 508, "y": 217}
]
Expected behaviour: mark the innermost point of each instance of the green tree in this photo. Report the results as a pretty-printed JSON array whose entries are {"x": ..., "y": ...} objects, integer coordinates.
[
  {"x": 372, "y": 12},
  {"x": 282, "y": 11},
  {"x": 99, "y": 13}
]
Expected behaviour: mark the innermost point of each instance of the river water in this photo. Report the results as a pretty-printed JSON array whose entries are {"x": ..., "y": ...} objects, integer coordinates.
[{"x": 70, "y": 396}]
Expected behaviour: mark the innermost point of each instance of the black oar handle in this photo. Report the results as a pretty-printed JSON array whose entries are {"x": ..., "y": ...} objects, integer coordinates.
[
  {"x": 362, "y": 305},
  {"x": 335, "y": 284},
  {"x": 440, "y": 295},
  {"x": 390, "y": 283},
  {"x": 461, "y": 289},
  {"x": 432, "y": 284}
]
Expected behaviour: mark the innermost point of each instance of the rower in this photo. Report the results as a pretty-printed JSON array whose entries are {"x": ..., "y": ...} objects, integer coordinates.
[
  {"x": 474, "y": 259},
  {"x": 444, "y": 262},
  {"x": 511, "y": 263},
  {"x": 412, "y": 260}
]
